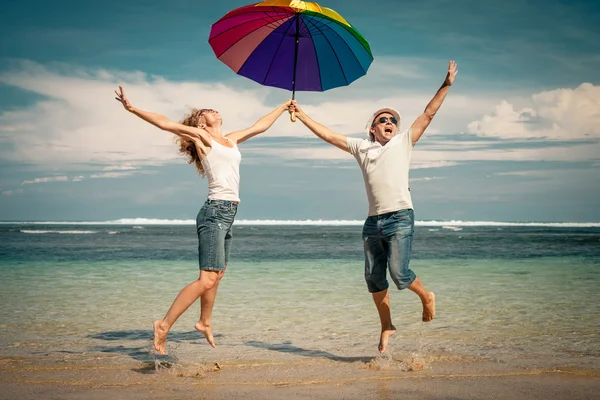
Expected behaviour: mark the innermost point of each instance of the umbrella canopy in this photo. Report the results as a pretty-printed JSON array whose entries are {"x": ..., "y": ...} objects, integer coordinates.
[{"x": 291, "y": 44}]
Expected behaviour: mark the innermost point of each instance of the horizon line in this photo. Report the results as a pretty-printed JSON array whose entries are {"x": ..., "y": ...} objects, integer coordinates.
[{"x": 305, "y": 222}]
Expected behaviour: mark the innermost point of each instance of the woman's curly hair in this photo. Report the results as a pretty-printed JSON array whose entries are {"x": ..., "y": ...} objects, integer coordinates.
[{"x": 186, "y": 146}]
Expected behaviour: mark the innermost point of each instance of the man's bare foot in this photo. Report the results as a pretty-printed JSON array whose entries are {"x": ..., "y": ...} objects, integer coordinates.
[
  {"x": 207, "y": 331},
  {"x": 160, "y": 338},
  {"x": 429, "y": 308},
  {"x": 384, "y": 338}
]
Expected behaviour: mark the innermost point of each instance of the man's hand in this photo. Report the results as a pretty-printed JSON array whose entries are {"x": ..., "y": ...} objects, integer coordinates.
[
  {"x": 452, "y": 71},
  {"x": 295, "y": 107}
]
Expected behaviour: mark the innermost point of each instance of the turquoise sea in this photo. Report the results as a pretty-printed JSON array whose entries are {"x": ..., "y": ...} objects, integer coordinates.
[{"x": 521, "y": 295}]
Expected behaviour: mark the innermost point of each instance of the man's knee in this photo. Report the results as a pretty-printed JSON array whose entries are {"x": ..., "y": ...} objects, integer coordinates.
[
  {"x": 403, "y": 280},
  {"x": 375, "y": 283}
]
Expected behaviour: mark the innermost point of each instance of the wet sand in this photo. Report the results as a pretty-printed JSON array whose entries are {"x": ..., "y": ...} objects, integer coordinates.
[{"x": 98, "y": 376}]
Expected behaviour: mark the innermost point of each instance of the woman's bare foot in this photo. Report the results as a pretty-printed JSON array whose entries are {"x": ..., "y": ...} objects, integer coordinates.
[
  {"x": 160, "y": 337},
  {"x": 207, "y": 331},
  {"x": 429, "y": 308},
  {"x": 384, "y": 338}
]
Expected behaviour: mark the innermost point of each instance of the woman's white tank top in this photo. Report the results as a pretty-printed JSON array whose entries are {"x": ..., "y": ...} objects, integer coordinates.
[{"x": 222, "y": 168}]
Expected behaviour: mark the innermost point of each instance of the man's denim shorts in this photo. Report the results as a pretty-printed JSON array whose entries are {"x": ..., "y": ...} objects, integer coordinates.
[
  {"x": 388, "y": 241},
  {"x": 214, "y": 226}
]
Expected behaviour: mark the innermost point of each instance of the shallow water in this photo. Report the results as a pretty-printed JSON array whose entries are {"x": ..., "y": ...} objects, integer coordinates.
[{"x": 524, "y": 297}]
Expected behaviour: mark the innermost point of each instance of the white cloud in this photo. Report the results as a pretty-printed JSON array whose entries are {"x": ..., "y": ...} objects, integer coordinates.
[
  {"x": 433, "y": 164},
  {"x": 439, "y": 153},
  {"x": 46, "y": 180},
  {"x": 80, "y": 178},
  {"x": 561, "y": 114},
  {"x": 111, "y": 175},
  {"x": 124, "y": 167},
  {"x": 79, "y": 122},
  {"x": 455, "y": 153}
]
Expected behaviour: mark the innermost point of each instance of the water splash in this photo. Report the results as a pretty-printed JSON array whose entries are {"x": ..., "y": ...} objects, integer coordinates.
[
  {"x": 381, "y": 362},
  {"x": 416, "y": 361}
]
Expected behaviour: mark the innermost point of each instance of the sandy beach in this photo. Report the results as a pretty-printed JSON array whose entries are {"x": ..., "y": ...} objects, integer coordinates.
[{"x": 104, "y": 377}]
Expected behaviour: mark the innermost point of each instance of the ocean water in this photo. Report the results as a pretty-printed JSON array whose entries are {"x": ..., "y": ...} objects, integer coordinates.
[{"x": 524, "y": 296}]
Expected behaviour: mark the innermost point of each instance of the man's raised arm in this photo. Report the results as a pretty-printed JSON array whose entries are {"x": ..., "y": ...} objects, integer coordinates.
[
  {"x": 321, "y": 131},
  {"x": 421, "y": 123}
]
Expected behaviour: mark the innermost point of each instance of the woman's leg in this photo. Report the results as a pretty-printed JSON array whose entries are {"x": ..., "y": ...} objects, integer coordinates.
[
  {"x": 207, "y": 302},
  {"x": 185, "y": 298}
]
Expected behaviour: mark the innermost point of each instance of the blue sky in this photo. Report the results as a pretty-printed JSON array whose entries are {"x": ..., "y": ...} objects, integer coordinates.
[{"x": 518, "y": 138}]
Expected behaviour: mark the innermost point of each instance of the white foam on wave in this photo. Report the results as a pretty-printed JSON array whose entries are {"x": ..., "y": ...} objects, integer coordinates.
[
  {"x": 446, "y": 224},
  {"x": 138, "y": 223},
  {"x": 316, "y": 222},
  {"x": 60, "y": 232},
  {"x": 135, "y": 222},
  {"x": 452, "y": 227}
]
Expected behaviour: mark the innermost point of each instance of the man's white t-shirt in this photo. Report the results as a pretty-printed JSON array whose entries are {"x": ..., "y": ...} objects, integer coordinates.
[{"x": 385, "y": 171}]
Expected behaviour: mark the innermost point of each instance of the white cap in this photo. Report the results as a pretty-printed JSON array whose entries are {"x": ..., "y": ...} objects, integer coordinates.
[{"x": 377, "y": 113}]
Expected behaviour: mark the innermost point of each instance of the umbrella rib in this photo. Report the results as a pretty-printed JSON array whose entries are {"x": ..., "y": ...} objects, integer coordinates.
[
  {"x": 332, "y": 50},
  {"x": 271, "y": 20},
  {"x": 234, "y": 43},
  {"x": 278, "y": 47},
  {"x": 263, "y": 10},
  {"x": 343, "y": 41},
  {"x": 315, "y": 49}
]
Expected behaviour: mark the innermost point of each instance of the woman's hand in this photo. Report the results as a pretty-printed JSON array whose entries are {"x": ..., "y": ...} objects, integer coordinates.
[
  {"x": 295, "y": 107},
  {"x": 123, "y": 99}
]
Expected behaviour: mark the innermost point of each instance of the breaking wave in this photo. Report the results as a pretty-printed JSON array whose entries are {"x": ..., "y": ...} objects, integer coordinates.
[{"x": 138, "y": 223}]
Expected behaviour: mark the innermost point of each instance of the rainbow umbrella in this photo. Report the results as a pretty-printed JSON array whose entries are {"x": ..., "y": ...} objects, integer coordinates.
[{"x": 291, "y": 44}]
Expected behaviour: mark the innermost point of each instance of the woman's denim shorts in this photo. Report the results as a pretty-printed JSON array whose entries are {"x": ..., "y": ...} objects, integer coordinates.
[
  {"x": 214, "y": 226},
  {"x": 388, "y": 243}
]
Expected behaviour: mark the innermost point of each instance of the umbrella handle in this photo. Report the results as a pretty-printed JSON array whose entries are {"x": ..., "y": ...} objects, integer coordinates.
[{"x": 293, "y": 116}]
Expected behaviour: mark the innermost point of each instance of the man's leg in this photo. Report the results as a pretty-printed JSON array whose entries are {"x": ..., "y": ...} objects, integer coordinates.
[
  {"x": 207, "y": 302},
  {"x": 382, "y": 302},
  {"x": 182, "y": 302},
  {"x": 427, "y": 298},
  {"x": 376, "y": 259},
  {"x": 401, "y": 229}
]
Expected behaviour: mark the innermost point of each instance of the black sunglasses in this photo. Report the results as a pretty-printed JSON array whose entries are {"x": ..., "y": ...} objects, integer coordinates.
[{"x": 383, "y": 120}]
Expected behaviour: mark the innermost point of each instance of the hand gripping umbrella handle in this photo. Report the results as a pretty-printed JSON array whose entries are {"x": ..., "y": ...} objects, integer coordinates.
[{"x": 293, "y": 116}]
